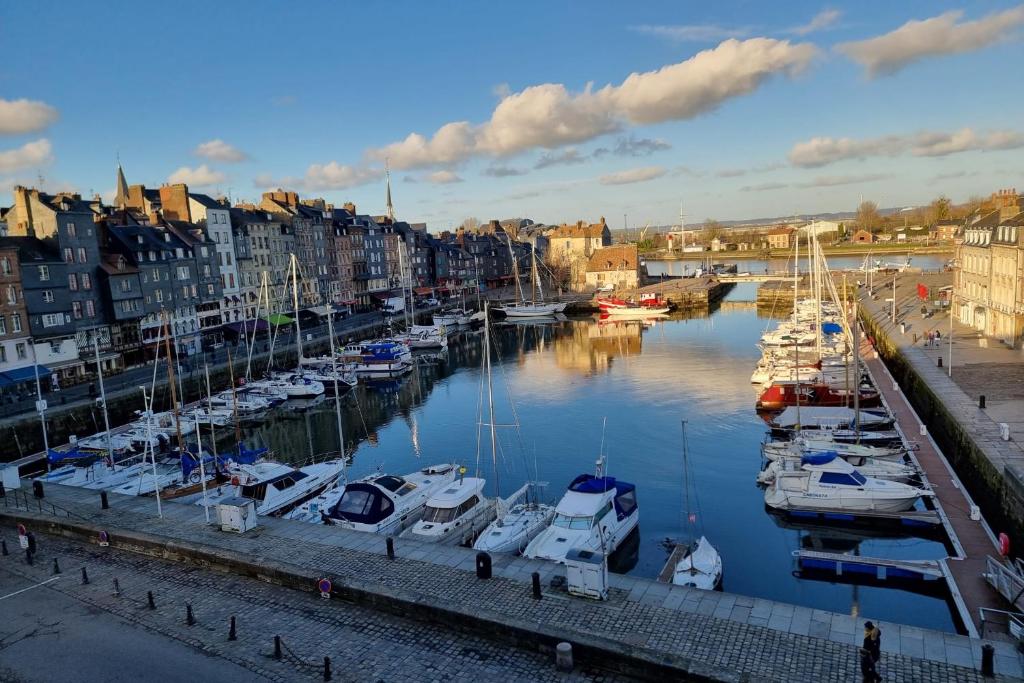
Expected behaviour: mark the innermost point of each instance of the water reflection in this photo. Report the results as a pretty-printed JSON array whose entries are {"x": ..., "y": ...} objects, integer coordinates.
[{"x": 566, "y": 378}]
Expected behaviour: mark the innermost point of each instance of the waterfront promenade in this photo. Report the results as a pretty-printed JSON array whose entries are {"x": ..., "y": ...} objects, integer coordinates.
[{"x": 646, "y": 629}]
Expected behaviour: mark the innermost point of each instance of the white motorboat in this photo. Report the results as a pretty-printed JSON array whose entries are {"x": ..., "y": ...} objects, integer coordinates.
[
  {"x": 381, "y": 504},
  {"x": 378, "y": 359},
  {"x": 326, "y": 375},
  {"x": 276, "y": 488},
  {"x": 455, "y": 514},
  {"x": 218, "y": 417},
  {"x": 297, "y": 385},
  {"x": 519, "y": 520},
  {"x": 451, "y": 317},
  {"x": 699, "y": 567},
  {"x": 246, "y": 402},
  {"x": 165, "y": 423},
  {"x": 827, "y": 482},
  {"x": 595, "y": 514},
  {"x": 425, "y": 337}
]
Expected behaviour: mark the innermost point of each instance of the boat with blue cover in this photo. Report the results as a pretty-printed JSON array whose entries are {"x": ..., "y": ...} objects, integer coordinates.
[{"x": 378, "y": 359}]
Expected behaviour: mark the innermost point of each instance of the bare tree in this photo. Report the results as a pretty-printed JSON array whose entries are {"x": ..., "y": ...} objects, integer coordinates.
[
  {"x": 470, "y": 223},
  {"x": 940, "y": 209},
  {"x": 712, "y": 229},
  {"x": 868, "y": 217}
]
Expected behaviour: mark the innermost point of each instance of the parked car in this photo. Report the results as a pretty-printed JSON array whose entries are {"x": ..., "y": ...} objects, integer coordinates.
[
  {"x": 431, "y": 302},
  {"x": 609, "y": 287}
]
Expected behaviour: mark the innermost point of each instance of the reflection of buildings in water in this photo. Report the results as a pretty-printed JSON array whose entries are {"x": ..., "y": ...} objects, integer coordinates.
[{"x": 590, "y": 346}]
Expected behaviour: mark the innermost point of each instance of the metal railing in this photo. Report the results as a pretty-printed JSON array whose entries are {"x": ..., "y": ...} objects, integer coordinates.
[
  {"x": 16, "y": 499},
  {"x": 1007, "y": 579}
]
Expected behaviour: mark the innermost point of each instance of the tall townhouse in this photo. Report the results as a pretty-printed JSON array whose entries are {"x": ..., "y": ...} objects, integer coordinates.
[
  {"x": 215, "y": 218},
  {"x": 14, "y": 332}
]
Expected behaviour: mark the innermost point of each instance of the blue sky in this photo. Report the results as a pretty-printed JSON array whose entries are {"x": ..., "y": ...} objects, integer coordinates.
[{"x": 738, "y": 110}]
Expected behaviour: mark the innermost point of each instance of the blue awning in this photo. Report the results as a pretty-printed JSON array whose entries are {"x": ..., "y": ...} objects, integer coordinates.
[{"x": 25, "y": 374}]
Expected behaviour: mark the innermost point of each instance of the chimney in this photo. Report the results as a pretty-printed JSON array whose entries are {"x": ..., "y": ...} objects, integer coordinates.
[{"x": 174, "y": 202}]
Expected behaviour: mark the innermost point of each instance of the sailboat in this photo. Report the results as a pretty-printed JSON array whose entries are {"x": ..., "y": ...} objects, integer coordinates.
[
  {"x": 521, "y": 308},
  {"x": 700, "y": 565},
  {"x": 520, "y": 517}
]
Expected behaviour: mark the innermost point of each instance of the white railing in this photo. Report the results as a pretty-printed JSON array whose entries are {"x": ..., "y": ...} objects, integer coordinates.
[{"x": 1007, "y": 579}]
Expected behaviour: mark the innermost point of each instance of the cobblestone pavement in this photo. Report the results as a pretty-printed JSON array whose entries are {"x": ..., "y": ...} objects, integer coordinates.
[
  {"x": 731, "y": 635},
  {"x": 364, "y": 645}
]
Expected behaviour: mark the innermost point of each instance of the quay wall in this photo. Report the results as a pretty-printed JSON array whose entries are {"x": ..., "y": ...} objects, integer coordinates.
[
  {"x": 996, "y": 486},
  {"x": 521, "y": 632}
]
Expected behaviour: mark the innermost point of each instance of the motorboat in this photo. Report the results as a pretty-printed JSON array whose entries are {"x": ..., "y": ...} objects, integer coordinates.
[
  {"x": 519, "y": 519},
  {"x": 208, "y": 415},
  {"x": 244, "y": 402},
  {"x": 876, "y": 469},
  {"x": 455, "y": 514},
  {"x": 297, "y": 385},
  {"x": 823, "y": 481},
  {"x": 595, "y": 514},
  {"x": 699, "y": 566},
  {"x": 614, "y": 306},
  {"x": 452, "y": 317},
  {"x": 804, "y": 444},
  {"x": 795, "y": 418},
  {"x": 274, "y": 487},
  {"x": 425, "y": 337},
  {"x": 167, "y": 473},
  {"x": 783, "y": 394},
  {"x": 328, "y": 374},
  {"x": 378, "y": 359},
  {"x": 164, "y": 423},
  {"x": 380, "y": 504},
  {"x": 262, "y": 391}
]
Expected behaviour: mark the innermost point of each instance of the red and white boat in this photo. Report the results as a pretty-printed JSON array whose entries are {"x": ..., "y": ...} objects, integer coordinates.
[
  {"x": 780, "y": 395},
  {"x": 649, "y": 304}
]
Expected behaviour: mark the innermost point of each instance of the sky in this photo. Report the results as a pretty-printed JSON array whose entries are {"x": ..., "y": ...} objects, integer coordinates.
[{"x": 558, "y": 111}]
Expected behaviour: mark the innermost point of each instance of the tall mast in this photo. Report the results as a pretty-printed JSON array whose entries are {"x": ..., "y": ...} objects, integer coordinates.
[
  {"x": 170, "y": 380},
  {"x": 103, "y": 395},
  {"x": 234, "y": 401},
  {"x": 490, "y": 403},
  {"x": 295, "y": 303},
  {"x": 517, "y": 285},
  {"x": 533, "y": 276},
  {"x": 686, "y": 484},
  {"x": 856, "y": 371},
  {"x": 337, "y": 393},
  {"x": 796, "y": 272}
]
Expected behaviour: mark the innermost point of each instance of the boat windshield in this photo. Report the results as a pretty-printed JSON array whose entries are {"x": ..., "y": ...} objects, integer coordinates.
[
  {"x": 573, "y": 522},
  {"x": 438, "y": 515}
]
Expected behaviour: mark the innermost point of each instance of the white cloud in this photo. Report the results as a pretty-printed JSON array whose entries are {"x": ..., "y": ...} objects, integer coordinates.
[
  {"x": 763, "y": 187},
  {"x": 442, "y": 177},
  {"x": 550, "y": 116},
  {"x": 25, "y": 116},
  {"x": 631, "y": 146},
  {"x": 731, "y": 172},
  {"x": 566, "y": 157},
  {"x": 200, "y": 176},
  {"x": 942, "y": 35},
  {"x": 825, "y": 150},
  {"x": 821, "y": 21},
  {"x": 500, "y": 171},
  {"x": 831, "y": 181},
  {"x": 320, "y": 177},
  {"x": 36, "y": 153},
  {"x": 218, "y": 150},
  {"x": 633, "y": 175},
  {"x": 691, "y": 32}
]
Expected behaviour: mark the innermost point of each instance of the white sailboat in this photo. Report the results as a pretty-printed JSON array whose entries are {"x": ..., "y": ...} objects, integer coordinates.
[
  {"x": 521, "y": 308},
  {"x": 700, "y": 565}
]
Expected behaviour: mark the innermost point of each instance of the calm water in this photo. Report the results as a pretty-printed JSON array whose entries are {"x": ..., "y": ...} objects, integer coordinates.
[
  {"x": 925, "y": 261},
  {"x": 566, "y": 380}
]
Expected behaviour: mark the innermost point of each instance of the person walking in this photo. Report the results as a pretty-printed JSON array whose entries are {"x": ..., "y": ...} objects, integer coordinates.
[
  {"x": 873, "y": 640},
  {"x": 868, "y": 671}
]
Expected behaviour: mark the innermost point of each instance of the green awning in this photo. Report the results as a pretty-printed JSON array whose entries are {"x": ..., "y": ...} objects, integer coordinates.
[{"x": 278, "y": 319}]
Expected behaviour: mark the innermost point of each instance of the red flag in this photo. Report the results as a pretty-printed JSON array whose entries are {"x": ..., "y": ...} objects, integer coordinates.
[{"x": 693, "y": 517}]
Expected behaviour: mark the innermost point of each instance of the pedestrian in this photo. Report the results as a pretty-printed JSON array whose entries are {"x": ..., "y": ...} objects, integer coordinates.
[
  {"x": 873, "y": 640},
  {"x": 938, "y": 336},
  {"x": 868, "y": 671}
]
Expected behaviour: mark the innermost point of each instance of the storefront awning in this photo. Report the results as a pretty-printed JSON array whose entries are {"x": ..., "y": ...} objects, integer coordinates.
[
  {"x": 278, "y": 319},
  {"x": 320, "y": 310},
  {"x": 422, "y": 291},
  {"x": 250, "y": 325},
  {"x": 26, "y": 374}
]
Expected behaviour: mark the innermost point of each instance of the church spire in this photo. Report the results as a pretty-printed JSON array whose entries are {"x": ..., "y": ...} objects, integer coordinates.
[
  {"x": 391, "y": 208},
  {"x": 121, "y": 199}
]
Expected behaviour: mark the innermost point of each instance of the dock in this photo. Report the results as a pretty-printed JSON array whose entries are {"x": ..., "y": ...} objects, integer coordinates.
[
  {"x": 973, "y": 541},
  {"x": 669, "y": 570},
  {"x": 910, "y": 518},
  {"x": 876, "y": 567}
]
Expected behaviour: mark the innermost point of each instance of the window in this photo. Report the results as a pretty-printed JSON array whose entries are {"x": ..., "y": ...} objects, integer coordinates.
[
  {"x": 20, "y": 351},
  {"x": 76, "y": 309},
  {"x": 5, "y": 265},
  {"x": 86, "y": 281},
  {"x": 47, "y": 296},
  {"x": 126, "y": 285},
  {"x": 52, "y": 319},
  {"x": 82, "y": 258},
  {"x": 90, "y": 308},
  {"x": 573, "y": 522},
  {"x": 72, "y": 282},
  {"x": 438, "y": 515},
  {"x": 3, "y": 325},
  {"x": 3, "y": 354},
  {"x": 183, "y": 272},
  {"x": 203, "y": 252},
  {"x": 16, "y": 322},
  {"x": 71, "y": 229},
  {"x": 12, "y": 295},
  {"x": 55, "y": 347},
  {"x": 843, "y": 479},
  {"x": 159, "y": 296},
  {"x": 69, "y": 255}
]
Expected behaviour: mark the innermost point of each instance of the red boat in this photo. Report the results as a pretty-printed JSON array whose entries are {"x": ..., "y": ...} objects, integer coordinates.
[
  {"x": 784, "y": 394},
  {"x": 647, "y": 300}
]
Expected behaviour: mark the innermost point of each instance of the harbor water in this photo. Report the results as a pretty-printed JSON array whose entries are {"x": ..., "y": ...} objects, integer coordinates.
[{"x": 580, "y": 388}]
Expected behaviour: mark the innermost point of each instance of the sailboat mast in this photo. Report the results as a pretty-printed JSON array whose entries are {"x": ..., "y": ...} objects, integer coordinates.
[
  {"x": 856, "y": 372},
  {"x": 533, "y": 276},
  {"x": 103, "y": 399},
  {"x": 165, "y": 328},
  {"x": 517, "y": 286},
  {"x": 686, "y": 484},
  {"x": 209, "y": 410},
  {"x": 337, "y": 394},
  {"x": 234, "y": 400},
  {"x": 796, "y": 272},
  {"x": 817, "y": 293},
  {"x": 490, "y": 403},
  {"x": 295, "y": 303}
]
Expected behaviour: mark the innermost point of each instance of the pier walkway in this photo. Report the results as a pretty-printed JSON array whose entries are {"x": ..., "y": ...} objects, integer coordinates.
[
  {"x": 647, "y": 629},
  {"x": 973, "y": 541}
]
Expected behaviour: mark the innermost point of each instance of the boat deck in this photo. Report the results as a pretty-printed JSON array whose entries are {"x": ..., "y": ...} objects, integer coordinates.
[{"x": 972, "y": 540}]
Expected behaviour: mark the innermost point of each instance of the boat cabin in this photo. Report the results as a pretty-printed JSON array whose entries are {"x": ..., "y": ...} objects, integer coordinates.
[
  {"x": 368, "y": 503},
  {"x": 454, "y": 502}
]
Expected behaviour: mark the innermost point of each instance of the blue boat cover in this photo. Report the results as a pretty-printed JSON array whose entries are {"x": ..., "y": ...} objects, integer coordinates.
[
  {"x": 831, "y": 328},
  {"x": 625, "y": 493},
  {"x": 56, "y": 456},
  {"x": 819, "y": 458}
]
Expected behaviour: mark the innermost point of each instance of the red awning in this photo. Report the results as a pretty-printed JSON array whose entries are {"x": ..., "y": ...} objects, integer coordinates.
[{"x": 422, "y": 291}]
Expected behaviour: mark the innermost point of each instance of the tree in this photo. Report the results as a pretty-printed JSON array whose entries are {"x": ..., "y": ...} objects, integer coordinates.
[
  {"x": 868, "y": 217},
  {"x": 470, "y": 223},
  {"x": 712, "y": 229},
  {"x": 940, "y": 209}
]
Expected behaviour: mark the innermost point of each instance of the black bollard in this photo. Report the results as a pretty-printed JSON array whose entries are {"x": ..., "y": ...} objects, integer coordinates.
[
  {"x": 56, "y": 567},
  {"x": 85, "y": 577},
  {"x": 277, "y": 647},
  {"x": 3, "y": 490},
  {"x": 37, "y": 488},
  {"x": 981, "y": 401},
  {"x": 939, "y": 361},
  {"x": 390, "y": 543},
  {"x": 117, "y": 587},
  {"x": 232, "y": 635},
  {"x": 536, "y": 585},
  {"x": 3, "y": 548},
  {"x": 327, "y": 668},
  {"x": 104, "y": 503},
  {"x": 988, "y": 666},
  {"x": 150, "y": 601},
  {"x": 190, "y": 618},
  {"x": 483, "y": 566}
]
